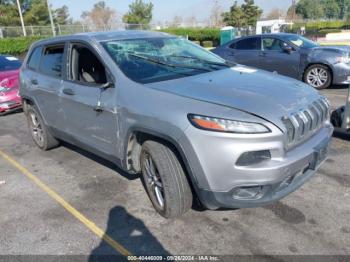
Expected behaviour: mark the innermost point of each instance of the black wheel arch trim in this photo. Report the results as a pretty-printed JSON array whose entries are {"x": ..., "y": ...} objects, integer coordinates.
[{"x": 189, "y": 171}]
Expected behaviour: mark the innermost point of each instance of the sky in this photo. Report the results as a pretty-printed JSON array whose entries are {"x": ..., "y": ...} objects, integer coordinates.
[{"x": 165, "y": 10}]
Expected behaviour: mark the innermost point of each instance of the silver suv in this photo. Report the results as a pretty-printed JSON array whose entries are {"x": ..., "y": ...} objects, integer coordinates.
[{"x": 198, "y": 129}]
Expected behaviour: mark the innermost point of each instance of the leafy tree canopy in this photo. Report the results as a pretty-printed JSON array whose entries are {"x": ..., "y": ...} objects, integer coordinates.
[
  {"x": 139, "y": 13},
  {"x": 245, "y": 15}
]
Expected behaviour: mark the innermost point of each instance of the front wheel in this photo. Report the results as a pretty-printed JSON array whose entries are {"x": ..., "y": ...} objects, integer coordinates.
[
  {"x": 318, "y": 76},
  {"x": 165, "y": 180}
]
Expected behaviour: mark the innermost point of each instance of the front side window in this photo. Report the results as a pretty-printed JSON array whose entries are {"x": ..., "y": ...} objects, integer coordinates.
[
  {"x": 8, "y": 63},
  {"x": 160, "y": 59},
  {"x": 34, "y": 58},
  {"x": 273, "y": 44},
  {"x": 253, "y": 43},
  {"x": 85, "y": 67},
  {"x": 300, "y": 41},
  {"x": 51, "y": 62}
]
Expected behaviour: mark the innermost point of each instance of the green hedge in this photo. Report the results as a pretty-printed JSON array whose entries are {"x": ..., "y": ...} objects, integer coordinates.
[
  {"x": 194, "y": 34},
  {"x": 321, "y": 28},
  {"x": 16, "y": 46}
]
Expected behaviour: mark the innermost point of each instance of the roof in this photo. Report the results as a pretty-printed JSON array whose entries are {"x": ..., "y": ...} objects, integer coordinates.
[{"x": 107, "y": 35}]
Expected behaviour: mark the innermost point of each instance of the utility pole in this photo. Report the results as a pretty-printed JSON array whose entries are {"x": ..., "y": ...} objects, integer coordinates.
[
  {"x": 21, "y": 17},
  {"x": 51, "y": 19}
]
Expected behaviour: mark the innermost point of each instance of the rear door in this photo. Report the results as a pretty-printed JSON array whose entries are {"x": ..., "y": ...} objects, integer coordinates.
[
  {"x": 275, "y": 58},
  {"x": 95, "y": 127},
  {"x": 246, "y": 51},
  {"x": 46, "y": 81}
]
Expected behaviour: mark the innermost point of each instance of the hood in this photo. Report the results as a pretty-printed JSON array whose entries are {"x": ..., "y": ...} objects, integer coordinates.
[
  {"x": 336, "y": 49},
  {"x": 258, "y": 92}
]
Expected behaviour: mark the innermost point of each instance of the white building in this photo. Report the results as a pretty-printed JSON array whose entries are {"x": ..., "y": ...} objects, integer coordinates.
[{"x": 271, "y": 26}]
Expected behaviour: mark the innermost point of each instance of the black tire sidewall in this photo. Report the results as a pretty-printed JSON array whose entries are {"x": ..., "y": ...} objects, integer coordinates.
[{"x": 146, "y": 150}]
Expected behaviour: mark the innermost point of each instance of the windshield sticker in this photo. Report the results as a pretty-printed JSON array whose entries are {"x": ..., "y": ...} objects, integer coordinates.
[
  {"x": 243, "y": 69},
  {"x": 11, "y": 58}
]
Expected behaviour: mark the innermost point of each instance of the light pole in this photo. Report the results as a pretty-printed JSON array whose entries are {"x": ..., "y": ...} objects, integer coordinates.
[
  {"x": 21, "y": 17},
  {"x": 51, "y": 19}
]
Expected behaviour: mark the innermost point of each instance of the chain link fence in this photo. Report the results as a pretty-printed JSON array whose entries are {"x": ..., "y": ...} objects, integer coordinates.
[{"x": 17, "y": 31}]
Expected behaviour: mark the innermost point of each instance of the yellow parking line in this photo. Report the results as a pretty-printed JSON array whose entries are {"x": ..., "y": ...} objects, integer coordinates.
[{"x": 88, "y": 223}]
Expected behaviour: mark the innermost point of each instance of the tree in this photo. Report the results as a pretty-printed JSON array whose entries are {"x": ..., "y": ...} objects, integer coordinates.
[
  {"x": 310, "y": 9},
  {"x": 177, "y": 21},
  {"x": 139, "y": 13},
  {"x": 245, "y": 15},
  {"x": 215, "y": 17},
  {"x": 331, "y": 9},
  {"x": 37, "y": 13},
  {"x": 275, "y": 13},
  {"x": 61, "y": 15},
  {"x": 100, "y": 17},
  {"x": 9, "y": 14},
  {"x": 251, "y": 12},
  {"x": 235, "y": 17},
  {"x": 344, "y": 8}
]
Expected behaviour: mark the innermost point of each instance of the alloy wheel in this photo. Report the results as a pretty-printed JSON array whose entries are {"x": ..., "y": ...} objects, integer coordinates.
[
  {"x": 36, "y": 128},
  {"x": 154, "y": 182},
  {"x": 317, "y": 77}
]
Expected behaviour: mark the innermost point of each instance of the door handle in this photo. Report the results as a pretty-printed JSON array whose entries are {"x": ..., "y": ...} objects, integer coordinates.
[
  {"x": 34, "y": 81},
  {"x": 68, "y": 91},
  {"x": 263, "y": 54}
]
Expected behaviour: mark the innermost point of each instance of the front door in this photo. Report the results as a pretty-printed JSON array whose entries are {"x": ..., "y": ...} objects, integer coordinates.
[
  {"x": 275, "y": 58},
  {"x": 90, "y": 111}
]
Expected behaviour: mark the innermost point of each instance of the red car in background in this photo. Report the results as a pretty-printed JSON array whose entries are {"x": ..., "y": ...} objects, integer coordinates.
[{"x": 9, "y": 84}]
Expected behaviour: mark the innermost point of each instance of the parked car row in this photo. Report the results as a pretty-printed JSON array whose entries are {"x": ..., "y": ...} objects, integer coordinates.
[
  {"x": 291, "y": 55},
  {"x": 198, "y": 128}
]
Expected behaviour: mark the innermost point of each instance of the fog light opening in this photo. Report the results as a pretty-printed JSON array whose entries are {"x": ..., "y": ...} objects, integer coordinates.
[
  {"x": 246, "y": 193},
  {"x": 253, "y": 158}
]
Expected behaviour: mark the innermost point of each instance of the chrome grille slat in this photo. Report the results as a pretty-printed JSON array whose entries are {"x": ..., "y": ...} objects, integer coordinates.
[{"x": 301, "y": 125}]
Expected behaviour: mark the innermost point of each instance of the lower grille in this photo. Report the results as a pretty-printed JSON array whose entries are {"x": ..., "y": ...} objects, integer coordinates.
[{"x": 303, "y": 124}]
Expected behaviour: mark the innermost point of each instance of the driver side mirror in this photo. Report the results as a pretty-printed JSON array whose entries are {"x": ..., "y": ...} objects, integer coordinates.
[
  {"x": 288, "y": 49},
  {"x": 107, "y": 85}
]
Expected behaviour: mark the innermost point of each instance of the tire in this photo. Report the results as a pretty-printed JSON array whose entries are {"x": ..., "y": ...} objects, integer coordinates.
[
  {"x": 39, "y": 131},
  {"x": 318, "y": 76},
  {"x": 165, "y": 179}
]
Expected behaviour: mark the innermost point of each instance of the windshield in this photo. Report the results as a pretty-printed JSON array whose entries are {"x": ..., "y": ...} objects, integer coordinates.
[
  {"x": 8, "y": 63},
  {"x": 151, "y": 60},
  {"x": 300, "y": 41}
]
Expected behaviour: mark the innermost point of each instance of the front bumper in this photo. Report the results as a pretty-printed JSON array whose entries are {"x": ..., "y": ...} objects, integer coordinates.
[
  {"x": 218, "y": 179},
  {"x": 341, "y": 74},
  {"x": 10, "y": 106}
]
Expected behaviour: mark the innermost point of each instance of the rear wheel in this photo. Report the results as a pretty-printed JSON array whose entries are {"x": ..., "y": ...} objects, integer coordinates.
[
  {"x": 40, "y": 133},
  {"x": 165, "y": 180},
  {"x": 318, "y": 76}
]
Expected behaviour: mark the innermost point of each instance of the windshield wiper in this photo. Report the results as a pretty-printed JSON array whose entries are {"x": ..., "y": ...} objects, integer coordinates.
[
  {"x": 169, "y": 65},
  {"x": 202, "y": 60}
]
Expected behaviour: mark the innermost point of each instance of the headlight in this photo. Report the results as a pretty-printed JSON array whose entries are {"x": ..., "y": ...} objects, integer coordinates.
[
  {"x": 226, "y": 125},
  {"x": 4, "y": 85},
  {"x": 344, "y": 59}
]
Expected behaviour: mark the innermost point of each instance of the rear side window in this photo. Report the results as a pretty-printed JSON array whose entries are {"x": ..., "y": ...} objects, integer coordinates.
[
  {"x": 34, "y": 58},
  {"x": 52, "y": 59},
  {"x": 253, "y": 43}
]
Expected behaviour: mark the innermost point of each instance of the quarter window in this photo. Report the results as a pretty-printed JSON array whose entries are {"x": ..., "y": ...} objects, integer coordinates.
[
  {"x": 34, "y": 59},
  {"x": 51, "y": 62},
  {"x": 253, "y": 43}
]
